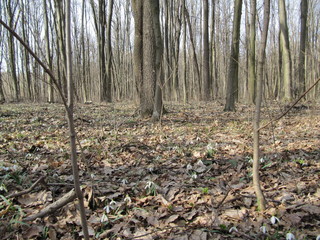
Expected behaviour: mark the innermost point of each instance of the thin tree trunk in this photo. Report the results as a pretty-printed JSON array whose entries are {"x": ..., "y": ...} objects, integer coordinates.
[
  {"x": 195, "y": 61},
  {"x": 137, "y": 7},
  {"x": 256, "y": 124},
  {"x": 12, "y": 52},
  {"x": 109, "y": 54},
  {"x": 71, "y": 124},
  {"x": 252, "y": 52},
  {"x": 205, "y": 52},
  {"x": 48, "y": 54}
]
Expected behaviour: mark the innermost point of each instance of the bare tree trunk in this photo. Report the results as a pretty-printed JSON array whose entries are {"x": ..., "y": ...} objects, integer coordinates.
[
  {"x": 185, "y": 82},
  {"x": 149, "y": 64},
  {"x": 137, "y": 7},
  {"x": 214, "y": 69},
  {"x": 108, "y": 89},
  {"x": 252, "y": 52},
  {"x": 232, "y": 82},
  {"x": 10, "y": 10},
  {"x": 48, "y": 54},
  {"x": 61, "y": 49},
  {"x": 303, "y": 40},
  {"x": 26, "y": 56},
  {"x": 71, "y": 124},
  {"x": 205, "y": 52},
  {"x": 256, "y": 124},
  {"x": 195, "y": 61},
  {"x": 158, "y": 104},
  {"x": 285, "y": 51}
]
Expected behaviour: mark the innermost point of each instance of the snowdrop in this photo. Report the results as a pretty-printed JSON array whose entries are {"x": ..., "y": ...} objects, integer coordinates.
[
  {"x": 124, "y": 181},
  {"x": 127, "y": 199},
  {"x": 194, "y": 175},
  {"x": 189, "y": 167},
  {"x": 110, "y": 206},
  {"x": 233, "y": 229},
  {"x": 274, "y": 220},
  {"x": 263, "y": 229},
  {"x": 104, "y": 218},
  {"x": 290, "y": 236},
  {"x": 318, "y": 237}
]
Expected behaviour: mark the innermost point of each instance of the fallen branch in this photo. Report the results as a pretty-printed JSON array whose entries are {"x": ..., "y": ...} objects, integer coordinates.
[
  {"x": 18, "y": 194},
  {"x": 295, "y": 103},
  {"x": 70, "y": 196}
]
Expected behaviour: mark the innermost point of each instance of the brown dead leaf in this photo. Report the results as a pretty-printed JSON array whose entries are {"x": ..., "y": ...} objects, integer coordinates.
[
  {"x": 198, "y": 235},
  {"x": 171, "y": 219},
  {"x": 142, "y": 234},
  {"x": 292, "y": 219},
  {"x": 33, "y": 231},
  {"x": 235, "y": 214},
  {"x": 312, "y": 209}
]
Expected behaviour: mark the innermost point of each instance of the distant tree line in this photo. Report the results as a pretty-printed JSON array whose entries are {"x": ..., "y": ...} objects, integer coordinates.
[{"x": 153, "y": 51}]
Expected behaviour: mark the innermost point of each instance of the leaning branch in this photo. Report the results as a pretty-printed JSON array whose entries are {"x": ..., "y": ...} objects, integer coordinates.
[
  {"x": 27, "y": 190},
  {"x": 70, "y": 196},
  {"x": 295, "y": 103}
]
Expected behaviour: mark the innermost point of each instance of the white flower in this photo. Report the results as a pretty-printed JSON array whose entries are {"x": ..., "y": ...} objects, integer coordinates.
[
  {"x": 124, "y": 181},
  {"x": 92, "y": 176},
  {"x": 104, "y": 218},
  {"x": 263, "y": 229},
  {"x": 149, "y": 185},
  {"x": 189, "y": 167},
  {"x": 127, "y": 199},
  {"x": 112, "y": 203},
  {"x": 194, "y": 175},
  {"x": 233, "y": 229},
  {"x": 290, "y": 236},
  {"x": 318, "y": 237},
  {"x": 274, "y": 220},
  {"x": 107, "y": 208}
]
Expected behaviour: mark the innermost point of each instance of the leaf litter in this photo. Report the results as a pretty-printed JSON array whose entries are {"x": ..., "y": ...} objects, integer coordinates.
[{"x": 186, "y": 178}]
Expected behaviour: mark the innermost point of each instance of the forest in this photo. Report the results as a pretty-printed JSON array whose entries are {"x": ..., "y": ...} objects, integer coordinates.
[{"x": 159, "y": 119}]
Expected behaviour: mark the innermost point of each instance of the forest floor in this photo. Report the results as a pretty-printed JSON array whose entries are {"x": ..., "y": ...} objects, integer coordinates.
[{"x": 188, "y": 177}]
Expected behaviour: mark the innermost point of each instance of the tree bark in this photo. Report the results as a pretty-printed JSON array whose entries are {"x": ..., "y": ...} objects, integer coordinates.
[
  {"x": 69, "y": 112},
  {"x": 252, "y": 52},
  {"x": 232, "y": 81},
  {"x": 303, "y": 40},
  {"x": 285, "y": 51},
  {"x": 158, "y": 104},
  {"x": 205, "y": 53},
  {"x": 10, "y": 10},
  {"x": 48, "y": 53},
  {"x": 256, "y": 143}
]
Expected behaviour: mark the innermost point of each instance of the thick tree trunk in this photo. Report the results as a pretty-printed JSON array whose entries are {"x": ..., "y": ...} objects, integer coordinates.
[
  {"x": 149, "y": 64},
  {"x": 285, "y": 51},
  {"x": 158, "y": 105},
  {"x": 232, "y": 81},
  {"x": 303, "y": 40}
]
